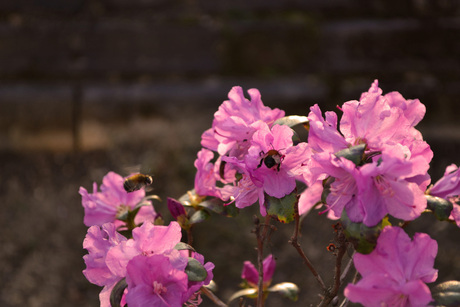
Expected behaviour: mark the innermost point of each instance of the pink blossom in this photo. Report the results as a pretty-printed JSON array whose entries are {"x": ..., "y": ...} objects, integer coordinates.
[
  {"x": 310, "y": 197},
  {"x": 323, "y": 134},
  {"x": 155, "y": 281},
  {"x": 208, "y": 175},
  {"x": 148, "y": 239},
  {"x": 377, "y": 119},
  {"x": 112, "y": 201},
  {"x": 112, "y": 257},
  {"x": 194, "y": 286},
  {"x": 383, "y": 188},
  {"x": 448, "y": 187},
  {"x": 374, "y": 187},
  {"x": 251, "y": 274},
  {"x": 344, "y": 190},
  {"x": 246, "y": 193},
  {"x": 395, "y": 273},
  {"x": 232, "y": 122},
  {"x": 449, "y": 184},
  {"x": 278, "y": 179},
  {"x": 97, "y": 242}
]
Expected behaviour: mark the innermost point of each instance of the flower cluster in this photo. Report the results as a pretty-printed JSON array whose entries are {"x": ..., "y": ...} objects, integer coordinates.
[
  {"x": 377, "y": 159},
  {"x": 154, "y": 269},
  {"x": 370, "y": 163},
  {"x": 255, "y": 157}
]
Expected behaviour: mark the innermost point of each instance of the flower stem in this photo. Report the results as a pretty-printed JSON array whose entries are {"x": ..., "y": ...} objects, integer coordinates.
[
  {"x": 213, "y": 297},
  {"x": 296, "y": 245},
  {"x": 261, "y": 236}
]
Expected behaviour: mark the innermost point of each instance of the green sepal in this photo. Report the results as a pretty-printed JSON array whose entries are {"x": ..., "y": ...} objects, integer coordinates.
[
  {"x": 117, "y": 293},
  {"x": 326, "y": 189},
  {"x": 249, "y": 292},
  {"x": 183, "y": 246},
  {"x": 447, "y": 294},
  {"x": 292, "y": 120},
  {"x": 195, "y": 270},
  {"x": 216, "y": 205},
  {"x": 283, "y": 208},
  {"x": 185, "y": 198},
  {"x": 286, "y": 289},
  {"x": 440, "y": 207},
  {"x": 355, "y": 154},
  {"x": 362, "y": 237},
  {"x": 199, "y": 216}
]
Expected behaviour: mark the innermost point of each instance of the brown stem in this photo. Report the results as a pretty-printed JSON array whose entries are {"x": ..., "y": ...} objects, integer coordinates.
[
  {"x": 190, "y": 239},
  {"x": 296, "y": 245},
  {"x": 213, "y": 297},
  {"x": 261, "y": 236},
  {"x": 347, "y": 268},
  {"x": 331, "y": 293}
]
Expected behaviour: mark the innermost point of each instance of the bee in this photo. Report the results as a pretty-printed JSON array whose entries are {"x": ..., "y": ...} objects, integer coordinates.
[
  {"x": 137, "y": 182},
  {"x": 271, "y": 159}
]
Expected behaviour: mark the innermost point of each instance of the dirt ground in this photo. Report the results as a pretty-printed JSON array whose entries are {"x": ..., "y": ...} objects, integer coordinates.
[{"x": 42, "y": 230}]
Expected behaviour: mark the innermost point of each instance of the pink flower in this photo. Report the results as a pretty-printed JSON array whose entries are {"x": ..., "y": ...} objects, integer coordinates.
[
  {"x": 194, "y": 286},
  {"x": 392, "y": 176},
  {"x": 232, "y": 122},
  {"x": 310, "y": 197},
  {"x": 377, "y": 119},
  {"x": 112, "y": 201},
  {"x": 449, "y": 184},
  {"x": 208, "y": 175},
  {"x": 112, "y": 257},
  {"x": 148, "y": 239},
  {"x": 395, "y": 273},
  {"x": 323, "y": 134},
  {"x": 448, "y": 187},
  {"x": 271, "y": 166},
  {"x": 97, "y": 242},
  {"x": 155, "y": 281},
  {"x": 246, "y": 193},
  {"x": 251, "y": 274},
  {"x": 384, "y": 188}
]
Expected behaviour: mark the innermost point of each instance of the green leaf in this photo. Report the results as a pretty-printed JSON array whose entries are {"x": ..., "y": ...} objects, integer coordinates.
[
  {"x": 286, "y": 289},
  {"x": 199, "y": 216},
  {"x": 183, "y": 246},
  {"x": 282, "y": 208},
  {"x": 326, "y": 189},
  {"x": 249, "y": 292},
  {"x": 362, "y": 237},
  {"x": 440, "y": 207},
  {"x": 214, "y": 204},
  {"x": 447, "y": 293},
  {"x": 292, "y": 120},
  {"x": 195, "y": 270},
  {"x": 355, "y": 154},
  {"x": 117, "y": 293}
]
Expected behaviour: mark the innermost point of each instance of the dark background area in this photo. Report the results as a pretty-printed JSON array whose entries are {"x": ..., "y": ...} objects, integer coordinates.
[{"x": 87, "y": 87}]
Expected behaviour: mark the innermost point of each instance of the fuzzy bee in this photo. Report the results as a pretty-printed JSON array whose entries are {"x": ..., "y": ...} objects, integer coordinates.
[
  {"x": 271, "y": 159},
  {"x": 137, "y": 182}
]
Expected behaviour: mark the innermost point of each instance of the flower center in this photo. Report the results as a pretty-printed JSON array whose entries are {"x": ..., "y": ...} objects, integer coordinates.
[
  {"x": 383, "y": 186},
  {"x": 158, "y": 288},
  {"x": 122, "y": 212}
]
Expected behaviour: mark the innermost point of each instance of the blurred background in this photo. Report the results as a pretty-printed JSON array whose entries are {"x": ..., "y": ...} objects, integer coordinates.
[{"x": 91, "y": 86}]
